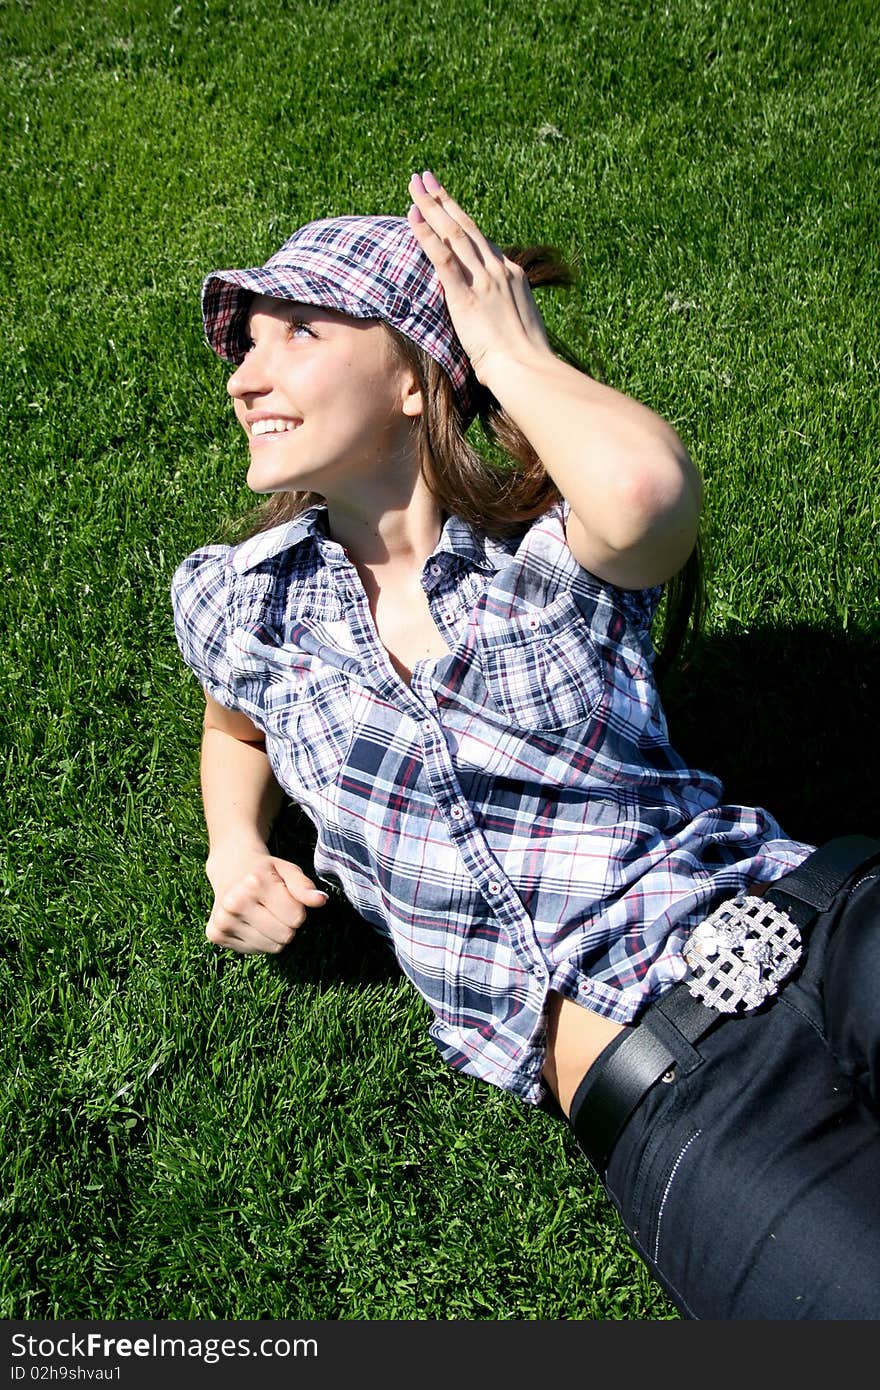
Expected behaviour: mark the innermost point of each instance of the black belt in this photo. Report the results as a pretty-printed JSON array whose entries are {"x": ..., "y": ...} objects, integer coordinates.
[{"x": 664, "y": 1037}]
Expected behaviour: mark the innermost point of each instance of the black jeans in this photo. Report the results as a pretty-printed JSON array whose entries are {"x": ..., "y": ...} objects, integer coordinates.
[{"x": 751, "y": 1186}]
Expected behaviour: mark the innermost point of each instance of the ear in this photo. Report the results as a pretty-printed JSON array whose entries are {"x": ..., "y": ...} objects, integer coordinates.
[{"x": 413, "y": 403}]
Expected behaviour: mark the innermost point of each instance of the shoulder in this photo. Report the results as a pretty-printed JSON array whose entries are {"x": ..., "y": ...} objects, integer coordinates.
[
  {"x": 198, "y": 598},
  {"x": 216, "y": 573},
  {"x": 220, "y": 588},
  {"x": 200, "y": 577}
]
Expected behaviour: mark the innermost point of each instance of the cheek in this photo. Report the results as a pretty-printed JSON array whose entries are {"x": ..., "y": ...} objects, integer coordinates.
[
  {"x": 353, "y": 393},
  {"x": 358, "y": 398},
  {"x": 374, "y": 391}
]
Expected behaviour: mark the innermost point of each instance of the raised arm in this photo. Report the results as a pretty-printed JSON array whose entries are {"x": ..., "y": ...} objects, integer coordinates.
[{"x": 634, "y": 493}]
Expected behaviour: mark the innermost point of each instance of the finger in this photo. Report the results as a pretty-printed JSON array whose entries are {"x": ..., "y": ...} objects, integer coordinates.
[
  {"x": 279, "y": 886},
  {"x": 273, "y": 903},
  {"x": 255, "y": 909},
  {"x": 450, "y": 264},
  {"x": 453, "y": 209},
  {"x": 450, "y": 207},
  {"x": 439, "y": 210},
  {"x": 447, "y": 205},
  {"x": 525, "y": 301},
  {"x": 260, "y": 931},
  {"x": 281, "y": 907},
  {"x": 267, "y": 907},
  {"x": 244, "y": 938},
  {"x": 298, "y": 884},
  {"x": 442, "y": 235}
]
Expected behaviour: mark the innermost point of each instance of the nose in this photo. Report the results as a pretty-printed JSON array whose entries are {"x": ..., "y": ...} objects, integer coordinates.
[{"x": 249, "y": 377}]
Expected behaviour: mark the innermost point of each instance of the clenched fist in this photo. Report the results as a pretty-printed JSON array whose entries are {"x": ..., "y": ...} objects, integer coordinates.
[{"x": 260, "y": 902}]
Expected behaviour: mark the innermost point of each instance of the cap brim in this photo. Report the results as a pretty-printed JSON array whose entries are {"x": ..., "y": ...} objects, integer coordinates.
[{"x": 226, "y": 293}]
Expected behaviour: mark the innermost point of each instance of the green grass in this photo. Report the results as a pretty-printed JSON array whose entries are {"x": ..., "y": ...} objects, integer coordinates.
[{"x": 188, "y": 1134}]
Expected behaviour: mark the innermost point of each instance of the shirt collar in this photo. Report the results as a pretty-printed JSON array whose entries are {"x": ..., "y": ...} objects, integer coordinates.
[
  {"x": 461, "y": 539},
  {"x": 267, "y": 545},
  {"x": 457, "y": 538}
]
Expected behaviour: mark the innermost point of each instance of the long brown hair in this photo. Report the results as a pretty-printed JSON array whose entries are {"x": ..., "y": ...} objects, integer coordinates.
[{"x": 502, "y": 484}]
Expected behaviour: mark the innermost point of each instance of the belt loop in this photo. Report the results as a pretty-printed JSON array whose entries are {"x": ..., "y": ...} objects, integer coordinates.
[{"x": 686, "y": 1056}]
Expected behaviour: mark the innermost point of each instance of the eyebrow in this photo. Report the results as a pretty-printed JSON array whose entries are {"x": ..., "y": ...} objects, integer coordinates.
[
  {"x": 294, "y": 308},
  {"x": 288, "y": 310},
  {"x": 291, "y": 307},
  {"x": 309, "y": 313}
]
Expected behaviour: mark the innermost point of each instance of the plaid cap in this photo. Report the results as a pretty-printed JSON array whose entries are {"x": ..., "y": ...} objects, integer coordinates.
[{"x": 368, "y": 267}]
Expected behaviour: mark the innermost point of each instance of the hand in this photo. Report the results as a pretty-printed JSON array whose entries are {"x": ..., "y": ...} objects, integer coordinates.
[
  {"x": 488, "y": 296},
  {"x": 259, "y": 902}
]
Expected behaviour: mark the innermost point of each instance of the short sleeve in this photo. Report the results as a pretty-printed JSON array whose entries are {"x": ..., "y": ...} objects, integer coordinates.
[
  {"x": 199, "y": 600},
  {"x": 638, "y": 606}
]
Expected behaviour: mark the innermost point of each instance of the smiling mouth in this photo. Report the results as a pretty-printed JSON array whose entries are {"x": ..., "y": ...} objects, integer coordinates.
[{"x": 260, "y": 428}]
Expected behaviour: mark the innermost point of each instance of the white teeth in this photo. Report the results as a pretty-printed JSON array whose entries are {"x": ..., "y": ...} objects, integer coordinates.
[{"x": 273, "y": 426}]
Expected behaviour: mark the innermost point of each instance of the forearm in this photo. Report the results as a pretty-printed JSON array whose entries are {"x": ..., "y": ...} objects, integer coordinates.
[
  {"x": 239, "y": 793},
  {"x": 634, "y": 493},
  {"x": 633, "y": 490}
]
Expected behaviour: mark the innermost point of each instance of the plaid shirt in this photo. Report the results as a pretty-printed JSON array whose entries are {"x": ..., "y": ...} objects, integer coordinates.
[{"x": 516, "y": 820}]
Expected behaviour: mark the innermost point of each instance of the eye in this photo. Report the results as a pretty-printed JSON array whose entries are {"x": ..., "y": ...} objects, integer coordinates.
[{"x": 294, "y": 328}]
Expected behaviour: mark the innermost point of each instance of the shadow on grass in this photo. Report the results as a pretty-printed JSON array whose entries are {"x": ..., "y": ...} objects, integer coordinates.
[
  {"x": 336, "y": 946},
  {"x": 787, "y": 718}
]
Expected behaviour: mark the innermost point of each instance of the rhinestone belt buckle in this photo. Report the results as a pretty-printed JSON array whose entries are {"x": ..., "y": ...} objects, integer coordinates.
[{"x": 740, "y": 953}]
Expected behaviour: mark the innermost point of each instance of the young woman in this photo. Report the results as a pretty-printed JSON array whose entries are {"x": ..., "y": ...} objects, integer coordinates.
[{"x": 449, "y": 665}]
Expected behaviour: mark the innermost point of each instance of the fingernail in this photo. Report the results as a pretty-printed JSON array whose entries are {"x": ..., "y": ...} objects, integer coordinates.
[
  {"x": 414, "y": 216},
  {"x": 430, "y": 182},
  {"x": 417, "y": 178}
]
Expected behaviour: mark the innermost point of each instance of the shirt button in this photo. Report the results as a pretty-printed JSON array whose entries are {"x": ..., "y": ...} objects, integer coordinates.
[
  {"x": 427, "y": 726},
  {"x": 494, "y": 888},
  {"x": 456, "y": 813},
  {"x": 586, "y": 986},
  {"x": 434, "y": 569}
]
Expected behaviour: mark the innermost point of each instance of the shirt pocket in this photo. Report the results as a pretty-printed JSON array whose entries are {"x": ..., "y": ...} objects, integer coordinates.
[
  {"x": 541, "y": 667},
  {"x": 299, "y": 701}
]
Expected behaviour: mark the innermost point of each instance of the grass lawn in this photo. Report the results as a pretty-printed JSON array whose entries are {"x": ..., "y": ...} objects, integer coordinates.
[{"x": 188, "y": 1134}]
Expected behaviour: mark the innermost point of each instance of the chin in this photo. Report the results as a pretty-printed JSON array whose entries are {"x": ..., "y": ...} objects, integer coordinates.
[{"x": 265, "y": 481}]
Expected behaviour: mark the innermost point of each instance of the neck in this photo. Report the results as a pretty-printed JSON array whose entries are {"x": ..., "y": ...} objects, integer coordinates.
[{"x": 398, "y": 530}]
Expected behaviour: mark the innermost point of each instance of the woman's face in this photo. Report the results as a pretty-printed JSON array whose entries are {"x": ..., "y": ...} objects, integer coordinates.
[{"x": 324, "y": 400}]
